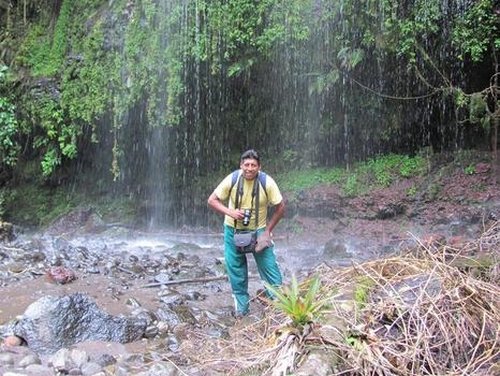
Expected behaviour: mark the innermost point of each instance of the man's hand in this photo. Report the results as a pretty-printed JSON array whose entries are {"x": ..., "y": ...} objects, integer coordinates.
[
  {"x": 264, "y": 241},
  {"x": 216, "y": 204},
  {"x": 237, "y": 214}
]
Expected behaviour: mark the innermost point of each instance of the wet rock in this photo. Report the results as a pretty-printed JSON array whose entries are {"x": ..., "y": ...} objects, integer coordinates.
[
  {"x": 161, "y": 368},
  {"x": 16, "y": 267},
  {"x": 60, "y": 275},
  {"x": 408, "y": 290},
  {"x": 162, "y": 277},
  {"x": 29, "y": 360},
  {"x": 6, "y": 359},
  {"x": 12, "y": 341},
  {"x": 390, "y": 210},
  {"x": 319, "y": 363},
  {"x": 81, "y": 220},
  {"x": 6, "y": 231},
  {"x": 168, "y": 316},
  {"x": 105, "y": 360},
  {"x": 38, "y": 370},
  {"x": 171, "y": 297},
  {"x": 335, "y": 249},
  {"x": 184, "y": 314},
  {"x": 91, "y": 368},
  {"x": 61, "y": 361},
  {"x": 52, "y": 323}
]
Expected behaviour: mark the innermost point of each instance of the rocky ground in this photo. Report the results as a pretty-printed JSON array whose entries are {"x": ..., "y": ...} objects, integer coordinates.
[
  {"x": 115, "y": 266},
  {"x": 447, "y": 203}
]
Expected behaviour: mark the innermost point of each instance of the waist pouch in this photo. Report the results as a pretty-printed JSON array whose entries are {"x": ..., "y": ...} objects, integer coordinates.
[{"x": 245, "y": 241}]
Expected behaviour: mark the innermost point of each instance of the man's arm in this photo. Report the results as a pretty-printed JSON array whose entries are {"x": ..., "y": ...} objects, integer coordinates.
[
  {"x": 279, "y": 212},
  {"x": 216, "y": 204}
]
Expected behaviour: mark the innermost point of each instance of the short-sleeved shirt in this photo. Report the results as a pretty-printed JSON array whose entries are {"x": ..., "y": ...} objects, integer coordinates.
[{"x": 227, "y": 194}]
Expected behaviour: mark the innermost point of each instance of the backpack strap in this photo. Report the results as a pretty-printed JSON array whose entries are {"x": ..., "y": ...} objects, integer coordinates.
[
  {"x": 262, "y": 176},
  {"x": 262, "y": 179}
]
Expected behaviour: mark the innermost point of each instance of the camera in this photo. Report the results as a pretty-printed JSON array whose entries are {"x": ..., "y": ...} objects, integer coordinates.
[{"x": 246, "y": 218}]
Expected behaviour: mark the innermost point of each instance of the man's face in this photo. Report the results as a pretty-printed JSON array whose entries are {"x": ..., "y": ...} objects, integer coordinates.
[{"x": 250, "y": 168}]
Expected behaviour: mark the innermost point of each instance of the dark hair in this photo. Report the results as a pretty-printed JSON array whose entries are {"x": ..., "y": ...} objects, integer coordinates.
[{"x": 250, "y": 154}]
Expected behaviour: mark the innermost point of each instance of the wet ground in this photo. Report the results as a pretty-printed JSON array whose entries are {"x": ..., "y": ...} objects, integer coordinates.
[
  {"x": 115, "y": 266},
  {"x": 120, "y": 270},
  {"x": 24, "y": 283},
  {"x": 335, "y": 230}
]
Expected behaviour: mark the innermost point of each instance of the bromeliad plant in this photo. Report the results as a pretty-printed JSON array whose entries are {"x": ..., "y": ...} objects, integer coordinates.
[{"x": 300, "y": 304}]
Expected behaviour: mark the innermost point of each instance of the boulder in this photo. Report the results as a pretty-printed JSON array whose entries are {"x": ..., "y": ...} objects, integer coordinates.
[{"x": 52, "y": 323}]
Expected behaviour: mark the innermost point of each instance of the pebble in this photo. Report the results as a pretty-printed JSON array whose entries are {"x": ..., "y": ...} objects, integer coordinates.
[
  {"x": 21, "y": 361},
  {"x": 12, "y": 341}
]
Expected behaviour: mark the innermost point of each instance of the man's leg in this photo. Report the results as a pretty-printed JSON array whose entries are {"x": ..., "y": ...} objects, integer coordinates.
[
  {"x": 237, "y": 270},
  {"x": 268, "y": 267}
]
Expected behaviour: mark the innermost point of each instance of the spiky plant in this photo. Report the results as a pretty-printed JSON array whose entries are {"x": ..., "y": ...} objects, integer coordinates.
[{"x": 301, "y": 305}]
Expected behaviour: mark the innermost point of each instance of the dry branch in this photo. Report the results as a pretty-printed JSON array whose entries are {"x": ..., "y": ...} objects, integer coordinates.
[
  {"x": 187, "y": 280},
  {"x": 428, "y": 313}
]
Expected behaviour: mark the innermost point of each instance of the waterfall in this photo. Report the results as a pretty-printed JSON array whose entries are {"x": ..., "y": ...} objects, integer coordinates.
[{"x": 328, "y": 89}]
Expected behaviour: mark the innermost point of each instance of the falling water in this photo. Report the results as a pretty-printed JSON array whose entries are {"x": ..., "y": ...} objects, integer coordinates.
[{"x": 320, "y": 98}]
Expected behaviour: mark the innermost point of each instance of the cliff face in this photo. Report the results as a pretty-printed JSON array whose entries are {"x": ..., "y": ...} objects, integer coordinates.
[{"x": 449, "y": 204}]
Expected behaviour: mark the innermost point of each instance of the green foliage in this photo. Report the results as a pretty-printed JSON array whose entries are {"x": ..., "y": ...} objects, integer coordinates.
[
  {"x": 422, "y": 21},
  {"x": 470, "y": 169},
  {"x": 411, "y": 30},
  {"x": 85, "y": 93},
  {"x": 60, "y": 39},
  {"x": 148, "y": 60},
  {"x": 238, "y": 31},
  {"x": 351, "y": 187},
  {"x": 477, "y": 31},
  {"x": 362, "y": 290},
  {"x": 43, "y": 52},
  {"x": 376, "y": 172},
  {"x": 385, "y": 169},
  {"x": 9, "y": 148},
  {"x": 54, "y": 116},
  {"x": 40, "y": 205},
  {"x": 35, "y": 51},
  {"x": 296, "y": 180},
  {"x": 355, "y": 342},
  {"x": 300, "y": 304},
  {"x": 433, "y": 191},
  {"x": 411, "y": 166},
  {"x": 54, "y": 137},
  {"x": 478, "y": 110},
  {"x": 349, "y": 58},
  {"x": 411, "y": 191},
  {"x": 291, "y": 157}
]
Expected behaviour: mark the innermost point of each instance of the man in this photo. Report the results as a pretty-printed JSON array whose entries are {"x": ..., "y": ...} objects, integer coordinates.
[{"x": 246, "y": 194}]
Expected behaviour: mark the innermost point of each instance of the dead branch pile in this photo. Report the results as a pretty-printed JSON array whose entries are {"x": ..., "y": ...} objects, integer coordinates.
[{"x": 423, "y": 313}]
